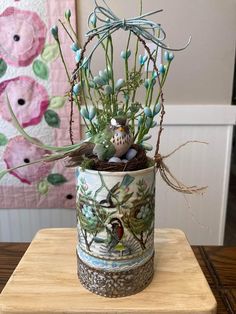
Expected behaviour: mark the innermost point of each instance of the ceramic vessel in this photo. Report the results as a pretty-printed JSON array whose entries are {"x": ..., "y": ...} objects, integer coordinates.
[{"x": 115, "y": 215}]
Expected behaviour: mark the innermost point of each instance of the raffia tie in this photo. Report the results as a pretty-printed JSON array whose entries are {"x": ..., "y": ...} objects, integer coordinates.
[{"x": 170, "y": 179}]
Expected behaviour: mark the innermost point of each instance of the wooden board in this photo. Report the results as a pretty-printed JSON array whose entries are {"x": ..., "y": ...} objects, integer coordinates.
[{"x": 45, "y": 281}]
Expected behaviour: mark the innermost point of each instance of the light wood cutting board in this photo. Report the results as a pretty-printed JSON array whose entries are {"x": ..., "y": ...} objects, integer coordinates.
[{"x": 45, "y": 281}]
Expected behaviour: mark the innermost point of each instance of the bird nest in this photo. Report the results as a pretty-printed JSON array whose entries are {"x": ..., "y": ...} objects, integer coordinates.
[{"x": 88, "y": 160}]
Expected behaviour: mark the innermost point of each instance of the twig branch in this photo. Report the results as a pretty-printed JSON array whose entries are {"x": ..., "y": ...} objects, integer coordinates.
[{"x": 161, "y": 92}]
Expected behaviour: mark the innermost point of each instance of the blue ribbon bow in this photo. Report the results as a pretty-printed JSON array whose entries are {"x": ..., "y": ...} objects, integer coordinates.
[{"x": 139, "y": 25}]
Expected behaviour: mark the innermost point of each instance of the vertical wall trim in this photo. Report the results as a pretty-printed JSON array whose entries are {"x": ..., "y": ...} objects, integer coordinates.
[{"x": 225, "y": 185}]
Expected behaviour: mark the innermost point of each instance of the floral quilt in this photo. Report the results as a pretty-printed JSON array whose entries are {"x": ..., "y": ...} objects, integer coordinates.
[{"x": 33, "y": 78}]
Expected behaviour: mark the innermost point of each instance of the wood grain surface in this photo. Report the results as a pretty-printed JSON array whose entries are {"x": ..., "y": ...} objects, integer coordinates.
[
  {"x": 10, "y": 255},
  {"x": 45, "y": 281},
  {"x": 217, "y": 262},
  {"x": 219, "y": 267}
]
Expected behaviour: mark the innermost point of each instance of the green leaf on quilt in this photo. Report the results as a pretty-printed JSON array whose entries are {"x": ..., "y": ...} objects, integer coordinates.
[
  {"x": 42, "y": 187},
  {"x": 3, "y": 140},
  {"x": 3, "y": 67},
  {"x": 50, "y": 52},
  {"x": 56, "y": 179},
  {"x": 57, "y": 102},
  {"x": 40, "y": 69},
  {"x": 52, "y": 118}
]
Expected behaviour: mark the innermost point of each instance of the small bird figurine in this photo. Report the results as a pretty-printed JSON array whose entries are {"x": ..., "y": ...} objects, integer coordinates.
[
  {"x": 116, "y": 233},
  {"x": 121, "y": 137},
  {"x": 114, "y": 141}
]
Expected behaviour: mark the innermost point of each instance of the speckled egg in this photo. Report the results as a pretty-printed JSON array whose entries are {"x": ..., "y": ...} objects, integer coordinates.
[
  {"x": 114, "y": 159},
  {"x": 131, "y": 154}
]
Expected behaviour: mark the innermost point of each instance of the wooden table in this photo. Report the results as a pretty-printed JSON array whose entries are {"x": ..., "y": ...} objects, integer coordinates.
[{"x": 217, "y": 263}]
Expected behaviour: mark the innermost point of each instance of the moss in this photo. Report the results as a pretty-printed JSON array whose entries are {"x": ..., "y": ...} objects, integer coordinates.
[{"x": 87, "y": 163}]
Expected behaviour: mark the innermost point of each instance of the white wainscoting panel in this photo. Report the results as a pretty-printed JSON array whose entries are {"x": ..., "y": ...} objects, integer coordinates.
[
  {"x": 21, "y": 225},
  {"x": 201, "y": 217}
]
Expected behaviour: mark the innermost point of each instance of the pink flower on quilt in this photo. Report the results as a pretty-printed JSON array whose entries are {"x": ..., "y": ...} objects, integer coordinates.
[
  {"x": 19, "y": 151},
  {"x": 29, "y": 100},
  {"x": 22, "y": 36}
]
